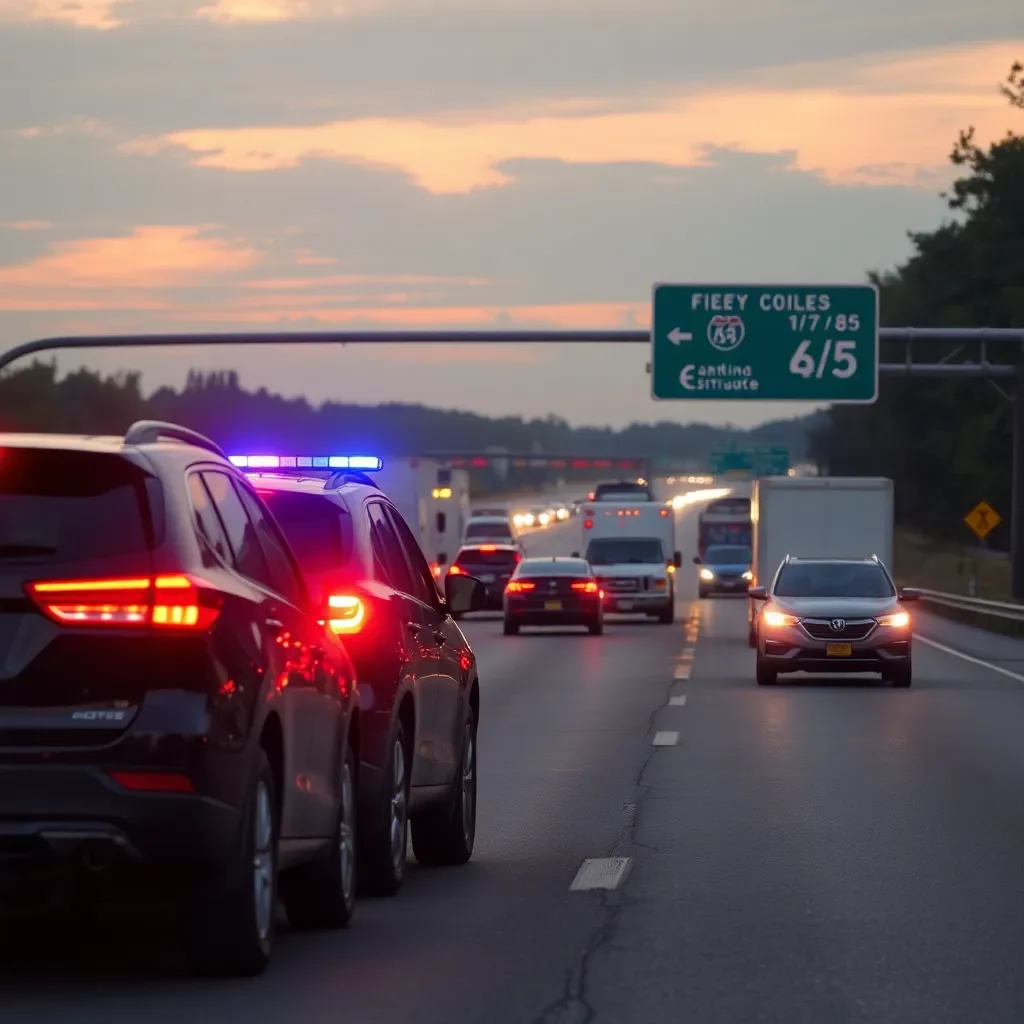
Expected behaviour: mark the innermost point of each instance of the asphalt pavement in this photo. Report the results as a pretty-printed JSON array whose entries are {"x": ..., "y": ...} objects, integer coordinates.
[{"x": 821, "y": 851}]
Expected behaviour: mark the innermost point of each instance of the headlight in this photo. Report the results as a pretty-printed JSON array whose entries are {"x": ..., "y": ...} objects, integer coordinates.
[
  {"x": 899, "y": 620},
  {"x": 706, "y": 574},
  {"x": 776, "y": 619},
  {"x": 748, "y": 575},
  {"x": 528, "y": 519}
]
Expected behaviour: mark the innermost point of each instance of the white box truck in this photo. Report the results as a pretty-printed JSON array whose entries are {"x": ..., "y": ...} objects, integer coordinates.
[
  {"x": 433, "y": 499},
  {"x": 631, "y": 547},
  {"x": 818, "y": 517}
]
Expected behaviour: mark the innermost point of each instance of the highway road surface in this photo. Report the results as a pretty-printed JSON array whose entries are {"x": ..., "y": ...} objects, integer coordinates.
[{"x": 824, "y": 852}]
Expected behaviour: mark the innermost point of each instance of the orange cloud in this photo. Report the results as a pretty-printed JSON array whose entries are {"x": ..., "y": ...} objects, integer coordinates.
[
  {"x": 93, "y": 270},
  {"x": 26, "y": 225},
  {"x": 278, "y": 284},
  {"x": 95, "y": 14},
  {"x": 883, "y": 122}
]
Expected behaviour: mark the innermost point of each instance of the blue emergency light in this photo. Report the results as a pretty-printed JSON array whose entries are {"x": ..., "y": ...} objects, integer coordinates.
[{"x": 361, "y": 462}]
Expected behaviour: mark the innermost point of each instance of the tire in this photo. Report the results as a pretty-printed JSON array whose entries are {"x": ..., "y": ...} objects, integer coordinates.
[
  {"x": 901, "y": 677},
  {"x": 383, "y": 847},
  {"x": 323, "y": 894},
  {"x": 231, "y": 931},
  {"x": 668, "y": 615},
  {"x": 511, "y": 628},
  {"x": 444, "y": 836},
  {"x": 595, "y": 628},
  {"x": 765, "y": 676}
]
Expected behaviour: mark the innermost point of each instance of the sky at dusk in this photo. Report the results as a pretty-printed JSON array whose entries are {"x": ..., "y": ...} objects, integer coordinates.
[{"x": 196, "y": 165}]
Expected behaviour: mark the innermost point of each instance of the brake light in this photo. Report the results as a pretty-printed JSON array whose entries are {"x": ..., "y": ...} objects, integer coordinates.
[
  {"x": 435, "y": 569},
  {"x": 587, "y": 586},
  {"x": 163, "y": 602},
  {"x": 488, "y": 547},
  {"x": 154, "y": 782},
  {"x": 347, "y": 613},
  {"x": 588, "y": 524},
  {"x": 664, "y": 513},
  {"x": 456, "y": 570},
  {"x": 519, "y": 586}
]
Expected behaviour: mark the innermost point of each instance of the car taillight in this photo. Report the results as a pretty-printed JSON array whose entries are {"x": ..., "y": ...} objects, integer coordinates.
[
  {"x": 488, "y": 547},
  {"x": 163, "y": 602},
  {"x": 519, "y": 586},
  {"x": 347, "y": 613},
  {"x": 587, "y": 586},
  {"x": 456, "y": 570},
  {"x": 153, "y": 782},
  {"x": 435, "y": 569},
  {"x": 588, "y": 524}
]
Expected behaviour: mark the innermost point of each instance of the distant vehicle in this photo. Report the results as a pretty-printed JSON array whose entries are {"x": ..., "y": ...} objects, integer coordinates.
[
  {"x": 490, "y": 529},
  {"x": 553, "y": 592},
  {"x": 631, "y": 546},
  {"x": 818, "y": 517},
  {"x": 725, "y": 521},
  {"x": 724, "y": 569},
  {"x": 540, "y": 517},
  {"x": 825, "y": 615},
  {"x": 492, "y": 564},
  {"x": 624, "y": 490},
  {"x": 418, "y": 684},
  {"x": 501, "y": 513},
  {"x": 172, "y": 703}
]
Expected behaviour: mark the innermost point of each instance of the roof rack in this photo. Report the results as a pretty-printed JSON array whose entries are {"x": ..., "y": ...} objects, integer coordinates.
[
  {"x": 153, "y": 431},
  {"x": 348, "y": 476}
]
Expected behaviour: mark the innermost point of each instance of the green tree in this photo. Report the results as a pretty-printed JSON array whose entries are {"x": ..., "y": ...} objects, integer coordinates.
[{"x": 947, "y": 444}]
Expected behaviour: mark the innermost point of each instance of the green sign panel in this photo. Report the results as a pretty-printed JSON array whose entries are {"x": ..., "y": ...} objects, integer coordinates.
[
  {"x": 759, "y": 461},
  {"x": 774, "y": 343}
]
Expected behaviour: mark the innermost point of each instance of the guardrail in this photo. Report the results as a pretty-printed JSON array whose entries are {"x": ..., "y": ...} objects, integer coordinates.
[{"x": 998, "y": 616}]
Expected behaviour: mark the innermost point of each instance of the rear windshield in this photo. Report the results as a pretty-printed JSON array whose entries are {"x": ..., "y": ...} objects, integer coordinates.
[
  {"x": 607, "y": 492},
  {"x": 837, "y": 579},
  {"x": 488, "y": 530},
  {"x": 728, "y": 555},
  {"x": 624, "y": 551},
  {"x": 318, "y": 530},
  {"x": 498, "y": 559},
  {"x": 68, "y": 506},
  {"x": 546, "y": 567}
]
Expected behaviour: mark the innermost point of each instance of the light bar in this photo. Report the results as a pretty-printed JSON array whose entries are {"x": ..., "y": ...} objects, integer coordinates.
[{"x": 362, "y": 462}]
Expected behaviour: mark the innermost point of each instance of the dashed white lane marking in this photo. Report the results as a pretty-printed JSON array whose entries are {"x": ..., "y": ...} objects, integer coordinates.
[
  {"x": 665, "y": 739},
  {"x": 601, "y": 873},
  {"x": 687, "y": 655},
  {"x": 682, "y": 672},
  {"x": 678, "y": 702},
  {"x": 969, "y": 657}
]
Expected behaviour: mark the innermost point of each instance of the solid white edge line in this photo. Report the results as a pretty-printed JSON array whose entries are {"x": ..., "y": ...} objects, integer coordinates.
[
  {"x": 677, "y": 702},
  {"x": 665, "y": 738},
  {"x": 683, "y": 672},
  {"x": 969, "y": 657},
  {"x": 601, "y": 873}
]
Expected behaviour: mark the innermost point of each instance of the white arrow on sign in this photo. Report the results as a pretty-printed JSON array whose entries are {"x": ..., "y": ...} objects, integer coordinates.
[{"x": 676, "y": 336}]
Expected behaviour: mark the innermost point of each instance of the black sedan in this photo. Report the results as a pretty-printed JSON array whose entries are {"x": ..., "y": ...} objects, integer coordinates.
[{"x": 553, "y": 592}]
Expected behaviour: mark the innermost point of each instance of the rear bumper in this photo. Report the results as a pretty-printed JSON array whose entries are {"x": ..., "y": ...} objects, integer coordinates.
[
  {"x": 70, "y": 813},
  {"x": 533, "y": 612}
]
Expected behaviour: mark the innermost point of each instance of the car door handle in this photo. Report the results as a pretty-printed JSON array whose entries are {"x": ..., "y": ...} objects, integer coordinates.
[
  {"x": 276, "y": 626},
  {"x": 416, "y": 627}
]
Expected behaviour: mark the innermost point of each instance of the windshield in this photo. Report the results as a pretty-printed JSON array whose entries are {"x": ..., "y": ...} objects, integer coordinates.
[
  {"x": 549, "y": 567},
  {"x": 833, "y": 579},
  {"x": 728, "y": 555},
  {"x": 625, "y": 551},
  {"x": 488, "y": 530},
  {"x": 475, "y": 557},
  {"x": 608, "y": 492}
]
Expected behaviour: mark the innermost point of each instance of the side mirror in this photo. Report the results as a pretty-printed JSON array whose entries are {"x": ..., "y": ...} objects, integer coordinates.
[
  {"x": 677, "y": 559},
  {"x": 463, "y": 594},
  {"x": 575, "y": 554},
  {"x": 697, "y": 560},
  {"x": 758, "y": 593},
  {"x": 909, "y": 594}
]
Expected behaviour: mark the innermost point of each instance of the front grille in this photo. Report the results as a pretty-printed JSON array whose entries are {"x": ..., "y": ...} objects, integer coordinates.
[
  {"x": 853, "y": 629},
  {"x": 620, "y": 584}
]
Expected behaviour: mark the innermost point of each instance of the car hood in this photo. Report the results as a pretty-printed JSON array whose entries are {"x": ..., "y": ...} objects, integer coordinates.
[
  {"x": 631, "y": 569},
  {"x": 726, "y": 567},
  {"x": 836, "y": 607}
]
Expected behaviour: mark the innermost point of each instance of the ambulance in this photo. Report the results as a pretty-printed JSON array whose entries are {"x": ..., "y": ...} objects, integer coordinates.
[{"x": 631, "y": 546}]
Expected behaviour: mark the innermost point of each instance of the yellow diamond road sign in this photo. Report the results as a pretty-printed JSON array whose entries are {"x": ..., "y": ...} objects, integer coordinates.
[{"x": 983, "y": 519}]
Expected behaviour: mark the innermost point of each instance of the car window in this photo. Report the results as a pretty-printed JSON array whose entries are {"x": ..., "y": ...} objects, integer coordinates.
[
  {"x": 69, "y": 506},
  {"x": 833, "y": 579},
  {"x": 248, "y": 554},
  {"x": 625, "y": 551},
  {"x": 387, "y": 552},
  {"x": 547, "y": 567},
  {"x": 285, "y": 577},
  {"x": 318, "y": 529},
  {"x": 728, "y": 555},
  {"x": 423, "y": 581},
  {"x": 480, "y": 530},
  {"x": 482, "y": 558},
  {"x": 207, "y": 522}
]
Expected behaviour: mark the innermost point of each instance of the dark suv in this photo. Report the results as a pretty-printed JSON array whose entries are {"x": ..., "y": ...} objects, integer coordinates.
[
  {"x": 418, "y": 693},
  {"x": 169, "y": 700},
  {"x": 492, "y": 564}
]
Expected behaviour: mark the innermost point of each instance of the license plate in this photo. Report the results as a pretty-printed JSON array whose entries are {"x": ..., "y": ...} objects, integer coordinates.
[
  {"x": 839, "y": 650},
  {"x": 486, "y": 577},
  {"x": 625, "y": 606},
  {"x": 552, "y": 606}
]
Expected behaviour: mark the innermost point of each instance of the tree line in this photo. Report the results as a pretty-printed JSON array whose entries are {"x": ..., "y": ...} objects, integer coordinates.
[{"x": 947, "y": 443}]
